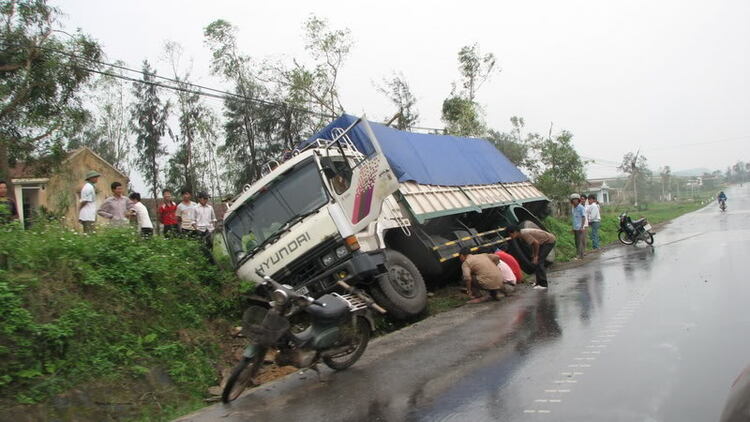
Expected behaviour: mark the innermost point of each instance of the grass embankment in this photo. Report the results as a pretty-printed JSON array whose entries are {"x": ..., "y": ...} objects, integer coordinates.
[
  {"x": 656, "y": 213},
  {"x": 133, "y": 323}
]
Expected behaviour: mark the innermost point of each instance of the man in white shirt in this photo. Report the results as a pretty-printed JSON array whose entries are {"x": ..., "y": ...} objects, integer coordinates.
[
  {"x": 87, "y": 206},
  {"x": 593, "y": 215},
  {"x": 204, "y": 216},
  {"x": 184, "y": 214},
  {"x": 145, "y": 225}
]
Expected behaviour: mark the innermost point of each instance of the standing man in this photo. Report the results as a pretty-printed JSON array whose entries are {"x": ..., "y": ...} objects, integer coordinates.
[
  {"x": 585, "y": 218},
  {"x": 579, "y": 216},
  {"x": 480, "y": 272},
  {"x": 184, "y": 214},
  {"x": 593, "y": 215},
  {"x": 116, "y": 207},
  {"x": 87, "y": 206},
  {"x": 204, "y": 215},
  {"x": 8, "y": 210},
  {"x": 167, "y": 214},
  {"x": 141, "y": 215},
  {"x": 541, "y": 243}
]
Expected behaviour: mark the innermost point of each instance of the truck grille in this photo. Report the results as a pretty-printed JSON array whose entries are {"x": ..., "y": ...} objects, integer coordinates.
[{"x": 307, "y": 267}]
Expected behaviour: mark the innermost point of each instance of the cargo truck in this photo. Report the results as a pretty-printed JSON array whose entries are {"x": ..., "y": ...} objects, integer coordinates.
[{"x": 384, "y": 209}]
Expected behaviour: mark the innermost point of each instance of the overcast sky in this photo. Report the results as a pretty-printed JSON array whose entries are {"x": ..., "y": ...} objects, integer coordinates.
[{"x": 659, "y": 75}]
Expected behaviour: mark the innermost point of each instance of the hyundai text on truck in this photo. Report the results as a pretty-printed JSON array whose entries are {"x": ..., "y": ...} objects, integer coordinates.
[{"x": 378, "y": 207}]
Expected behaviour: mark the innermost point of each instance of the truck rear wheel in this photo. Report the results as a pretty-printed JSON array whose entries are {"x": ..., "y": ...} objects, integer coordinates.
[{"x": 401, "y": 291}]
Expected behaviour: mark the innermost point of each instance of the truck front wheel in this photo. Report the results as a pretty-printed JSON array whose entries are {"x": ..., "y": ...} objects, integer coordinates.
[{"x": 401, "y": 291}]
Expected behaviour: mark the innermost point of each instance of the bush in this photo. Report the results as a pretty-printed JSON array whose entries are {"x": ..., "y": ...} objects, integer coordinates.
[{"x": 75, "y": 307}]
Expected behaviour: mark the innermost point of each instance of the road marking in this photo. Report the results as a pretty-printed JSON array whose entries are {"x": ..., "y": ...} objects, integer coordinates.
[
  {"x": 555, "y": 401},
  {"x": 529, "y": 411},
  {"x": 544, "y": 411}
]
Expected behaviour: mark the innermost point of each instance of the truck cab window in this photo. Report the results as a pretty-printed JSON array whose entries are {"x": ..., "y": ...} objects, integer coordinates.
[{"x": 341, "y": 181}]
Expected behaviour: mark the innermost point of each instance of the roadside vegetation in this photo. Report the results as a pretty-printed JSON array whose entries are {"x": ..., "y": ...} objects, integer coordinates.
[{"x": 109, "y": 312}]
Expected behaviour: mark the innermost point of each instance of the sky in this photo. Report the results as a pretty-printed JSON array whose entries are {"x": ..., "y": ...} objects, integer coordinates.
[{"x": 671, "y": 78}]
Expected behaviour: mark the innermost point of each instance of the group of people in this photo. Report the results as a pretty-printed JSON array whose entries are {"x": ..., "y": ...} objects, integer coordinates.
[
  {"x": 497, "y": 273},
  {"x": 586, "y": 217},
  {"x": 187, "y": 218}
]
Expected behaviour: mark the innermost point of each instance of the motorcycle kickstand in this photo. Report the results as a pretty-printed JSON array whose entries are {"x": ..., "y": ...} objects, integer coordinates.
[{"x": 315, "y": 368}]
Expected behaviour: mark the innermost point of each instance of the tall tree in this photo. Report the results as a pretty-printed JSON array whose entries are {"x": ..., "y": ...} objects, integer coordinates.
[
  {"x": 635, "y": 165},
  {"x": 476, "y": 68},
  {"x": 107, "y": 131},
  {"x": 251, "y": 120},
  {"x": 149, "y": 123},
  {"x": 561, "y": 169},
  {"x": 42, "y": 71},
  {"x": 397, "y": 90},
  {"x": 519, "y": 148},
  {"x": 461, "y": 113},
  {"x": 191, "y": 167},
  {"x": 666, "y": 181}
]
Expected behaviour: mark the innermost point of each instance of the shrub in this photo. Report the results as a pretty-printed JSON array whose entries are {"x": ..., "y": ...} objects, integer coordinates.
[{"x": 75, "y": 307}]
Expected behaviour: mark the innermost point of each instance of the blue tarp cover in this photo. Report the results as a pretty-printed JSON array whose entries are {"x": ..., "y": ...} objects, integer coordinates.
[{"x": 432, "y": 159}]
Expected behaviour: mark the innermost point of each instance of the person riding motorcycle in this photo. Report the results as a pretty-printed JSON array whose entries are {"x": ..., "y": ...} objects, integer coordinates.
[{"x": 722, "y": 197}]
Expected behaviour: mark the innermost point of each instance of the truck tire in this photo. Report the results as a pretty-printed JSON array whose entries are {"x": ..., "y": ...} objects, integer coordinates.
[
  {"x": 522, "y": 252},
  {"x": 401, "y": 291},
  {"x": 527, "y": 224},
  {"x": 515, "y": 248}
]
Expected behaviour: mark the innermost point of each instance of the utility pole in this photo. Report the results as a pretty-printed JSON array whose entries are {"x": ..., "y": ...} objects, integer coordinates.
[{"x": 635, "y": 177}]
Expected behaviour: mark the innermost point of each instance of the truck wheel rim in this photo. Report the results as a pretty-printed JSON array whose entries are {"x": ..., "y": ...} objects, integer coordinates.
[{"x": 402, "y": 280}]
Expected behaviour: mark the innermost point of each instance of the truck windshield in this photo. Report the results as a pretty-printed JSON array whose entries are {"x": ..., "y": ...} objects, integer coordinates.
[{"x": 267, "y": 214}]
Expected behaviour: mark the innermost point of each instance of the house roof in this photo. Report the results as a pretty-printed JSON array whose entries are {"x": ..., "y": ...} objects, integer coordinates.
[{"x": 24, "y": 170}]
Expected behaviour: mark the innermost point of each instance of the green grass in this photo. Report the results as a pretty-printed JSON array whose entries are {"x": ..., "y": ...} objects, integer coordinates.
[
  {"x": 105, "y": 310},
  {"x": 656, "y": 213}
]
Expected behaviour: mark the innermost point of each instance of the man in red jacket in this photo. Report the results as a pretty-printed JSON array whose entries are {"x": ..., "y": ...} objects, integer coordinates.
[
  {"x": 167, "y": 215},
  {"x": 512, "y": 263}
]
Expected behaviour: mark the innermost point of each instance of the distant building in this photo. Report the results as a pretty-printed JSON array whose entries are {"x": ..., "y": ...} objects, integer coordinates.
[
  {"x": 58, "y": 192},
  {"x": 603, "y": 190}
]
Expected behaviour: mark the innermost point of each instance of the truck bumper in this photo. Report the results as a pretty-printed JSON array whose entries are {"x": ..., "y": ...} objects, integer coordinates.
[{"x": 360, "y": 267}]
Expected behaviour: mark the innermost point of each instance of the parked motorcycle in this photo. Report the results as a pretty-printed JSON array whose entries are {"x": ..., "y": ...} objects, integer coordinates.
[
  {"x": 631, "y": 232},
  {"x": 338, "y": 332}
]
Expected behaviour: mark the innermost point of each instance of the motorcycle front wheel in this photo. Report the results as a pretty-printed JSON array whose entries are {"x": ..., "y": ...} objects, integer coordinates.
[
  {"x": 242, "y": 377},
  {"x": 649, "y": 238},
  {"x": 624, "y": 238},
  {"x": 360, "y": 336}
]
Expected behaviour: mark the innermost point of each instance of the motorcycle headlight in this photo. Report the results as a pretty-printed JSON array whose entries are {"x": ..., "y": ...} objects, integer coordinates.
[
  {"x": 329, "y": 259},
  {"x": 279, "y": 296},
  {"x": 341, "y": 252}
]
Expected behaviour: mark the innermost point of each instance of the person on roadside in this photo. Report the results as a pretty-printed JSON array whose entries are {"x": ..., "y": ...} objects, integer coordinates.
[
  {"x": 168, "y": 214},
  {"x": 184, "y": 214},
  {"x": 480, "y": 272},
  {"x": 204, "y": 214},
  {"x": 87, "y": 205},
  {"x": 511, "y": 261},
  {"x": 541, "y": 244},
  {"x": 578, "y": 212},
  {"x": 145, "y": 226},
  {"x": 204, "y": 221},
  {"x": 116, "y": 207},
  {"x": 8, "y": 209},
  {"x": 593, "y": 215},
  {"x": 585, "y": 204}
]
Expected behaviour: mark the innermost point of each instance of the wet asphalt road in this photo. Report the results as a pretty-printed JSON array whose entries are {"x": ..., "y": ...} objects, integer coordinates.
[{"x": 641, "y": 334}]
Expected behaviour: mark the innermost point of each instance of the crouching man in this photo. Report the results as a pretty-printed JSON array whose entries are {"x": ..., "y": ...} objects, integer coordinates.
[{"x": 480, "y": 272}]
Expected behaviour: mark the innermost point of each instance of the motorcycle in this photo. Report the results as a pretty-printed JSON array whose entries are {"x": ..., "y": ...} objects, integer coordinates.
[
  {"x": 631, "y": 232},
  {"x": 723, "y": 205},
  {"x": 340, "y": 326}
]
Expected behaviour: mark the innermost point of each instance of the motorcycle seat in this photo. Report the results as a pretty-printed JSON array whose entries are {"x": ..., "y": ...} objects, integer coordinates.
[
  {"x": 639, "y": 222},
  {"x": 334, "y": 308}
]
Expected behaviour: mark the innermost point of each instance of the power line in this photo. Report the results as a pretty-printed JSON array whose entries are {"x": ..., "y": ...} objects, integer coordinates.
[{"x": 198, "y": 89}]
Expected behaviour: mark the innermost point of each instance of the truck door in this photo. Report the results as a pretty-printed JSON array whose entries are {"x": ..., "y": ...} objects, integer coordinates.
[{"x": 365, "y": 182}]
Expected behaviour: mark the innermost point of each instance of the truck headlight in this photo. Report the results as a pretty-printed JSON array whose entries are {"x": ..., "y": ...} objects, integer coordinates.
[
  {"x": 329, "y": 259},
  {"x": 342, "y": 251}
]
